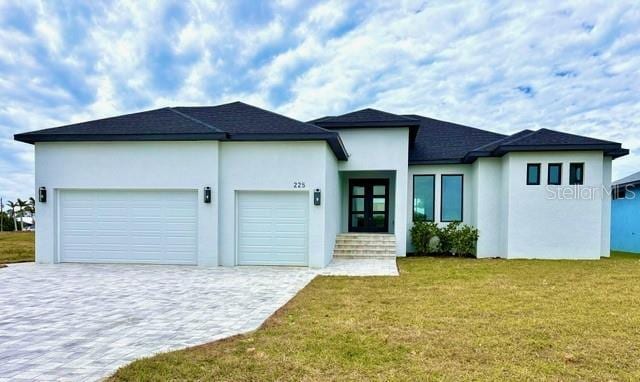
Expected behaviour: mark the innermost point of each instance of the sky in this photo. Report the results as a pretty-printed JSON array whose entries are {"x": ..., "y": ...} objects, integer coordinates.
[{"x": 572, "y": 66}]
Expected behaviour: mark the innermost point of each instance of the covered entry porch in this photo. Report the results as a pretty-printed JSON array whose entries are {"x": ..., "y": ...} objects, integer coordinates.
[{"x": 370, "y": 210}]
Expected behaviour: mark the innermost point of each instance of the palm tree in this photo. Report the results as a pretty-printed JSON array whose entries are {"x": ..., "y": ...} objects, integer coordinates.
[
  {"x": 31, "y": 209},
  {"x": 12, "y": 213},
  {"x": 21, "y": 208}
]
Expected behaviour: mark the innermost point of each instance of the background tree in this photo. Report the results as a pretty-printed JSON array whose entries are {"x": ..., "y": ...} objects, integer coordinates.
[
  {"x": 12, "y": 212},
  {"x": 21, "y": 211},
  {"x": 31, "y": 209}
]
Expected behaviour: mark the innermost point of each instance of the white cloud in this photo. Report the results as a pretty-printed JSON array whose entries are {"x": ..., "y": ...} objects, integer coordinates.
[{"x": 458, "y": 61}]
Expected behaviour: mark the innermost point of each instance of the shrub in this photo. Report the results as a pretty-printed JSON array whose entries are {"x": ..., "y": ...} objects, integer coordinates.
[
  {"x": 464, "y": 241},
  {"x": 448, "y": 236},
  {"x": 455, "y": 238},
  {"x": 425, "y": 237}
]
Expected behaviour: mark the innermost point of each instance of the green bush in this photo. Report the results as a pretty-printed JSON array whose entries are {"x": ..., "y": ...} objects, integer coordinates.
[
  {"x": 425, "y": 237},
  {"x": 454, "y": 239},
  {"x": 464, "y": 241}
]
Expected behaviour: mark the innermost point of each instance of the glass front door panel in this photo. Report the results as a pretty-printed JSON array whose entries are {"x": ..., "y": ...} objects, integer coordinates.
[
  {"x": 357, "y": 204},
  {"x": 369, "y": 205},
  {"x": 379, "y": 204}
]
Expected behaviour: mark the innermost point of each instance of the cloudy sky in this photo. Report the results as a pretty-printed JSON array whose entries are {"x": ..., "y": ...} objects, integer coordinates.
[{"x": 571, "y": 66}]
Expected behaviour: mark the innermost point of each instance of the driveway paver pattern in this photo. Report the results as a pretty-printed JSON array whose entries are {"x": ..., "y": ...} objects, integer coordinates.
[{"x": 81, "y": 322}]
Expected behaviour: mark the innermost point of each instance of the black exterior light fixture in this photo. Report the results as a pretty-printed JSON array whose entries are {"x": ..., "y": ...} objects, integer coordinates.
[
  {"x": 316, "y": 197},
  {"x": 42, "y": 195},
  {"x": 207, "y": 194}
]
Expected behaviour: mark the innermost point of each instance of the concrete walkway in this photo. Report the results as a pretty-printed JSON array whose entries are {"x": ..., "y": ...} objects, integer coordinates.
[{"x": 81, "y": 322}]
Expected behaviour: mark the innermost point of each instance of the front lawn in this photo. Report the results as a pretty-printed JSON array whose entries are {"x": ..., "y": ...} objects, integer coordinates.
[
  {"x": 16, "y": 247},
  {"x": 442, "y": 319}
]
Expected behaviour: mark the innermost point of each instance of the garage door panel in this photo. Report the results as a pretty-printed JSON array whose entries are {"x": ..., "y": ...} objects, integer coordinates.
[
  {"x": 272, "y": 228},
  {"x": 128, "y": 226}
]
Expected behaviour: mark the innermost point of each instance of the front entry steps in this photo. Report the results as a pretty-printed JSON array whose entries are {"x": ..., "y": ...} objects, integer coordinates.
[{"x": 365, "y": 245}]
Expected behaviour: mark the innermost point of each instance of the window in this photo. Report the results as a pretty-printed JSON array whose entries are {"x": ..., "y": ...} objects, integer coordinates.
[
  {"x": 451, "y": 198},
  {"x": 533, "y": 174},
  {"x": 424, "y": 190},
  {"x": 554, "y": 174},
  {"x": 576, "y": 173}
]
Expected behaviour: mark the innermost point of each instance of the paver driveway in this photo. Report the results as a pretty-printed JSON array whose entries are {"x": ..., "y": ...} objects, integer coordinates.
[{"x": 82, "y": 322}]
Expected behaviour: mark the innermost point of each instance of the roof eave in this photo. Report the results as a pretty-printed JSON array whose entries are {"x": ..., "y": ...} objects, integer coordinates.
[
  {"x": 503, "y": 149},
  {"x": 34, "y": 138},
  {"x": 435, "y": 161}
]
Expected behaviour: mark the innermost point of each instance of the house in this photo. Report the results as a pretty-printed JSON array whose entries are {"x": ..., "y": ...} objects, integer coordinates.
[
  {"x": 238, "y": 185},
  {"x": 625, "y": 214},
  {"x": 27, "y": 222}
]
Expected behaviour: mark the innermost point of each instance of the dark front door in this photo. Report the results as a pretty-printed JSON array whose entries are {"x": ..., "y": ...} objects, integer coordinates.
[{"x": 368, "y": 205}]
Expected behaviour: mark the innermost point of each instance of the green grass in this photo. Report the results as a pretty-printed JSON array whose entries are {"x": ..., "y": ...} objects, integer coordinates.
[
  {"x": 16, "y": 247},
  {"x": 442, "y": 319}
]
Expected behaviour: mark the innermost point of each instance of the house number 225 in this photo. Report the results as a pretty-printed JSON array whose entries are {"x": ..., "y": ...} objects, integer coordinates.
[{"x": 299, "y": 185}]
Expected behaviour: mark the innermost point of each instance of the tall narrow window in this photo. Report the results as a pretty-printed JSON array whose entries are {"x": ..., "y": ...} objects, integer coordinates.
[
  {"x": 576, "y": 173},
  {"x": 554, "y": 175},
  {"x": 533, "y": 174},
  {"x": 424, "y": 197},
  {"x": 451, "y": 198}
]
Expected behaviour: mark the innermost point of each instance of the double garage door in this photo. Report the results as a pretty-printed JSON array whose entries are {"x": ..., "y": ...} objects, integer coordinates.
[
  {"x": 128, "y": 226},
  {"x": 160, "y": 227}
]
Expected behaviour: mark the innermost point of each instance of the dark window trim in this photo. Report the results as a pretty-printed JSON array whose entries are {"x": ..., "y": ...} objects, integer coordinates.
[
  {"x": 559, "y": 174},
  {"x": 433, "y": 202},
  {"x": 442, "y": 176},
  {"x": 537, "y": 183},
  {"x": 572, "y": 180}
]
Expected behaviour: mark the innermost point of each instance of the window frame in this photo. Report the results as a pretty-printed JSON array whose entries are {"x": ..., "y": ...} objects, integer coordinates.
[
  {"x": 539, "y": 167},
  {"x": 442, "y": 176},
  {"x": 559, "y": 165},
  {"x": 433, "y": 202},
  {"x": 572, "y": 179}
]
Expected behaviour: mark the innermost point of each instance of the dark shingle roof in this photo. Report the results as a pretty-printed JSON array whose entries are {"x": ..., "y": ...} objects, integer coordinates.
[
  {"x": 160, "y": 123},
  {"x": 446, "y": 142},
  {"x": 548, "y": 140},
  {"x": 233, "y": 121},
  {"x": 431, "y": 140},
  {"x": 240, "y": 118},
  {"x": 365, "y": 118},
  {"x": 632, "y": 179},
  {"x": 552, "y": 137}
]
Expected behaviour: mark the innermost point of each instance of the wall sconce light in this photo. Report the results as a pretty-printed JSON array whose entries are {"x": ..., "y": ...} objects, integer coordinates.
[
  {"x": 42, "y": 195},
  {"x": 207, "y": 194},
  {"x": 316, "y": 197}
]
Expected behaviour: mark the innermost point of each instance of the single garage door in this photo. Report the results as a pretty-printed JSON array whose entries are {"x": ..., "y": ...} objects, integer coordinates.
[
  {"x": 273, "y": 228},
  {"x": 128, "y": 226}
]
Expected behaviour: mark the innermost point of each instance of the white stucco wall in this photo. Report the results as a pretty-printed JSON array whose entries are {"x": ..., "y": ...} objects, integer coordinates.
[
  {"x": 126, "y": 165},
  {"x": 555, "y": 222},
  {"x": 490, "y": 207},
  {"x": 274, "y": 166},
  {"x": 332, "y": 204},
  {"x": 516, "y": 220},
  {"x": 468, "y": 213},
  {"x": 605, "y": 250},
  {"x": 381, "y": 149}
]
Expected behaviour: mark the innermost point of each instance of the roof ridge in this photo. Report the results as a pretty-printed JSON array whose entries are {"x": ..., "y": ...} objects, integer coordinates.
[
  {"x": 516, "y": 139},
  {"x": 575, "y": 135},
  {"x": 196, "y": 120},
  {"x": 283, "y": 116}
]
